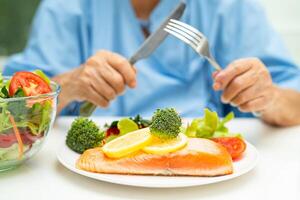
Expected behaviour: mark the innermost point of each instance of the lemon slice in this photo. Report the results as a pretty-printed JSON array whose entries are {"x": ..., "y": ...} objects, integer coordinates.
[
  {"x": 166, "y": 146},
  {"x": 127, "y": 144}
]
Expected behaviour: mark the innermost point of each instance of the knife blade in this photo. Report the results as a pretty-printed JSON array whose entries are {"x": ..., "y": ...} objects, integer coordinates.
[{"x": 145, "y": 50}]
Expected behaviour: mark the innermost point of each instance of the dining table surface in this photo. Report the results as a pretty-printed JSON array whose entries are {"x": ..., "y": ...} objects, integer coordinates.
[{"x": 276, "y": 176}]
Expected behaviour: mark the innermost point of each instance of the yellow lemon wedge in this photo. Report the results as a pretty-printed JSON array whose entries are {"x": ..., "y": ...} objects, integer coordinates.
[
  {"x": 160, "y": 147},
  {"x": 127, "y": 144}
]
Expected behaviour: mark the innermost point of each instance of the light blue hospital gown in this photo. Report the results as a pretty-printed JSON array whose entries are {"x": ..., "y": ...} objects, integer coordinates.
[{"x": 66, "y": 33}]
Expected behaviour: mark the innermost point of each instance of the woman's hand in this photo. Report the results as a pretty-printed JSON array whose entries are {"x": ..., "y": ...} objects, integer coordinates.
[
  {"x": 246, "y": 84},
  {"x": 99, "y": 80}
]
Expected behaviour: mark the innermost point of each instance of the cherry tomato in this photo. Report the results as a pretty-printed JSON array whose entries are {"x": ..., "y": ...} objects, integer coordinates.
[
  {"x": 234, "y": 145},
  {"x": 31, "y": 84}
]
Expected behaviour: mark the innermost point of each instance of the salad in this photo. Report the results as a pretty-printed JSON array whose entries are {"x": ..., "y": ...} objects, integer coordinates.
[{"x": 25, "y": 117}]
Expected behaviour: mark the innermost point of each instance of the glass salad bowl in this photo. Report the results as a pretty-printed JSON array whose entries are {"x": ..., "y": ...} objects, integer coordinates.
[{"x": 24, "y": 125}]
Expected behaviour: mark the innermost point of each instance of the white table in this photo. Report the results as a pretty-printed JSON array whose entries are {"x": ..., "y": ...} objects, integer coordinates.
[{"x": 277, "y": 175}]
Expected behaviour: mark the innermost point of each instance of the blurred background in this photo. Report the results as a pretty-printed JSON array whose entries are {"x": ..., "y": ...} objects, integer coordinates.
[{"x": 15, "y": 24}]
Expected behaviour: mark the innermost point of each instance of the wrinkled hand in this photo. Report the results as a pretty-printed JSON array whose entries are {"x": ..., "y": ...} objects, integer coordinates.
[
  {"x": 99, "y": 80},
  {"x": 246, "y": 84}
]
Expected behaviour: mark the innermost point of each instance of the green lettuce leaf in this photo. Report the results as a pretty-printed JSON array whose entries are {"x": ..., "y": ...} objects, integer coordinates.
[
  {"x": 41, "y": 74},
  {"x": 210, "y": 126}
]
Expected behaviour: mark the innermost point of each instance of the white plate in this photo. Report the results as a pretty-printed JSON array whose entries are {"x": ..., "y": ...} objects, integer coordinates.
[{"x": 68, "y": 158}]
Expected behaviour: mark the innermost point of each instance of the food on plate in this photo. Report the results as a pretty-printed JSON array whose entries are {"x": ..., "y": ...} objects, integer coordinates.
[
  {"x": 126, "y": 125},
  {"x": 234, "y": 145},
  {"x": 200, "y": 157},
  {"x": 211, "y": 127},
  {"x": 128, "y": 144},
  {"x": 84, "y": 134},
  {"x": 163, "y": 146},
  {"x": 24, "y": 121},
  {"x": 118, "y": 127},
  {"x": 165, "y": 124}
]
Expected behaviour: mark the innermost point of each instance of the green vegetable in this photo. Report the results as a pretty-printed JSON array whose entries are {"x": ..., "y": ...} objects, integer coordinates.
[
  {"x": 142, "y": 123},
  {"x": 41, "y": 74},
  {"x": 1, "y": 80},
  {"x": 84, "y": 134},
  {"x": 165, "y": 124},
  {"x": 127, "y": 125},
  {"x": 11, "y": 153},
  {"x": 18, "y": 108},
  {"x": 210, "y": 126},
  {"x": 3, "y": 88}
]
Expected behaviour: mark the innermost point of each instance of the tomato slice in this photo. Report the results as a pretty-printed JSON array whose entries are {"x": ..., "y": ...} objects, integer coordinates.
[
  {"x": 234, "y": 145},
  {"x": 31, "y": 84},
  {"x": 6, "y": 140}
]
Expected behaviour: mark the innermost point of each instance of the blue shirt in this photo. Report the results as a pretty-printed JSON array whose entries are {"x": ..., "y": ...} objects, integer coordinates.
[{"x": 65, "y": 34}]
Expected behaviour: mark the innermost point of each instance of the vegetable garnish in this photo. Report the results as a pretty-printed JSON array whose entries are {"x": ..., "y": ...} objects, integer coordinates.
[
  {"x": 30, "y": 83},
  {"x": 210, "y": 126},
  {"x": 165, "y": 124},
  {"x": 128, "y": 143},
  {"x": 84, "y": 134},
  {"x": 123, "y": 126},
  {"x": 234, "y": 145}
]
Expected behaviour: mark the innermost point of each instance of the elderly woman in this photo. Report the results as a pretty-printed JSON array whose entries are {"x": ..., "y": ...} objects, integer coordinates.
[{"x": 84, "y": 44}]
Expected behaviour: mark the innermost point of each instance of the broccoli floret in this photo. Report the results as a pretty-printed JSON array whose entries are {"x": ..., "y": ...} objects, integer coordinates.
[
  {"x": 84, "y": 134},
  {"x": 165, "y": 124}
]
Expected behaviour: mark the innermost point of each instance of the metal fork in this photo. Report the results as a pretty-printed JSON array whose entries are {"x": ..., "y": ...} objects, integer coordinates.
[
  {"x": 196, "y": 40},
  {"x": 192, "y": 37}
]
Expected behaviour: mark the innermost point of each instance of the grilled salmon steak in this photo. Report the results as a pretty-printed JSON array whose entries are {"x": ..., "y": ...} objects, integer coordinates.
[{"x": 200, "y": 157}]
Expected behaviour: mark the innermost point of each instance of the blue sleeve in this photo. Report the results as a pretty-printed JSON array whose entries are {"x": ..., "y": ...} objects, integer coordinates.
[
  {"x": 55, "y": 43},
  {"x": 246, "y": 32}
]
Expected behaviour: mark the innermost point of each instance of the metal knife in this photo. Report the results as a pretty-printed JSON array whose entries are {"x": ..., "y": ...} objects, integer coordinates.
[{"x": 145, "y": 50}]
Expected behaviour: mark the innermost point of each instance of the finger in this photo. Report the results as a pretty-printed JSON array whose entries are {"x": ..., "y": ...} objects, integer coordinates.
[
  {"x": 255, "y": 105},
  {"x": 224, "y": 77},
  {"x": 92, "y": 96},
  {"x": 246, "y": 95},
  {"x": 114, "y": 78},
  {"x": 122, "y": 65},
  {"x": 238, "y": 84},
  {"x": 215, "y": 73},
  {"x": 102, "y": 87}
]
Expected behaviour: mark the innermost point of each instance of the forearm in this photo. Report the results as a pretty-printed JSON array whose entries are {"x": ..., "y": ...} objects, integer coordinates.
[{"x": 285, "y": 109}]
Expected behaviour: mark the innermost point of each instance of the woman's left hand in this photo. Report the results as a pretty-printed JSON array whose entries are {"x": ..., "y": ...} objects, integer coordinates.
[{"x": 246, "y": 84}]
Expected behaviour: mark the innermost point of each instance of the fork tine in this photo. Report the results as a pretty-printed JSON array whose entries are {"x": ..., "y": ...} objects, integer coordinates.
[
  {"x": 184, "y": 34},
  {"x": 188, "y": 27},
  {"x": 181, "y": 37},
  {"x": 186, "y": 31}
]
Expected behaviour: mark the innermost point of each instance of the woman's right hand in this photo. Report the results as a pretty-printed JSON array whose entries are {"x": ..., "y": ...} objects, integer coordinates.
[{"x": 99, "y": 80}]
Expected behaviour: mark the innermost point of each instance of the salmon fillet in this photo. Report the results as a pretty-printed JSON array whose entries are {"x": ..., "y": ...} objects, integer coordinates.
[{"x": 200, "y": 157}]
